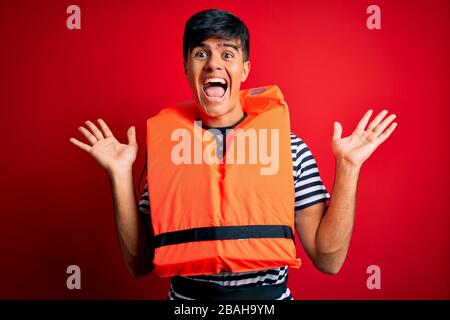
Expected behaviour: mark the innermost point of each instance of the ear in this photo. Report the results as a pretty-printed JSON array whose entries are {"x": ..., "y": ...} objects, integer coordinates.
[{"x": 246, "y": 71}]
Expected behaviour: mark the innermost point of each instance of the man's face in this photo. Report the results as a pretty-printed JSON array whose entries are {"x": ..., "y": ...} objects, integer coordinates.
[{"x": 215, "y": 70}]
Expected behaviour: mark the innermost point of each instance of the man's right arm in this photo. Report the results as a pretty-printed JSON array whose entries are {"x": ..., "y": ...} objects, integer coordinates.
[{"x": 133, "y": 232}]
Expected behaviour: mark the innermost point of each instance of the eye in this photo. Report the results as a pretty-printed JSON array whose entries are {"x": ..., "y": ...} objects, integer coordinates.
[
  {"x": 200, "y": 54},
  {"x": 228, "y": 55}
]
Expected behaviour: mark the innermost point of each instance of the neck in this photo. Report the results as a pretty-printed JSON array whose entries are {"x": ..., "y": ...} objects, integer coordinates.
[{"x": 225, "y": 120}]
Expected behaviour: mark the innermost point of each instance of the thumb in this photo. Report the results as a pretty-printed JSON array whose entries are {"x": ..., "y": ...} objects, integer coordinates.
[
  {"x": 337, "y": 130},
  {"x": 131, "y": 133}
]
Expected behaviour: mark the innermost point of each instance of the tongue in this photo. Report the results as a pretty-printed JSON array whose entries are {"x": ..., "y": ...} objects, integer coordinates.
[{"x": 214, "y": 91}]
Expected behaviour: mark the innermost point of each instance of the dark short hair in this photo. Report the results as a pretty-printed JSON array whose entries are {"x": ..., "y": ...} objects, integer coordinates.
[{"x": 215, "y": 23}]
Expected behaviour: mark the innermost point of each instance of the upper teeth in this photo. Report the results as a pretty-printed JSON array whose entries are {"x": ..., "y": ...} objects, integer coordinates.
[{"x": 220, "y": 80}]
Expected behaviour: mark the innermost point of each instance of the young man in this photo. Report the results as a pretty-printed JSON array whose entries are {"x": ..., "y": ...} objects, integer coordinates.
[{"x": 216, "y": 62}]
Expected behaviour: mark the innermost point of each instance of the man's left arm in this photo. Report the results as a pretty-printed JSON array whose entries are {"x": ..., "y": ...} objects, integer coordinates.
[{"x": 325, "y": 231}]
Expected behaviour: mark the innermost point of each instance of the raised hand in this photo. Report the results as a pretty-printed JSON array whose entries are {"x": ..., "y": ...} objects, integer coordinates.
[
  {"x": 356, "y": 148},
  {"x": 112, "y": 155}
]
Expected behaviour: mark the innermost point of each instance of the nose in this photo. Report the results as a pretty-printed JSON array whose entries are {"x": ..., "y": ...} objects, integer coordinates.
[{"x": 214, "y": 62}]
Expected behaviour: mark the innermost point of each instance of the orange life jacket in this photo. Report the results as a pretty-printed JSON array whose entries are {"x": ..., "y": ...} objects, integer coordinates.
[{"x": 221, "y": 216}]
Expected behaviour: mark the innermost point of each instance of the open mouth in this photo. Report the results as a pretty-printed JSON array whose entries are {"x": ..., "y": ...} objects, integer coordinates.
[{"x": 215, "y": 89}]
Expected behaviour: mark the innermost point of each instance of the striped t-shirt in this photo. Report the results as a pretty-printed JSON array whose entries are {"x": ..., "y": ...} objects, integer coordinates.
[{"x": 309, "y": 190}]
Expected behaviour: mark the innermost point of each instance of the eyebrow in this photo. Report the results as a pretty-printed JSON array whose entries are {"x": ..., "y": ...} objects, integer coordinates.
[{"x": 229, "y": 45}]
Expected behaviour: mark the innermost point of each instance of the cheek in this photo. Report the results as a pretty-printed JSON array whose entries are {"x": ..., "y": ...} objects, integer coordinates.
[
  {"x": 192, "y": 70},
  {"x": 236, "y": 74}
]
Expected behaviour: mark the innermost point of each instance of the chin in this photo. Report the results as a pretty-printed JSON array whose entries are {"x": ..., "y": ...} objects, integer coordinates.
[{"x": 214, "y": 110}]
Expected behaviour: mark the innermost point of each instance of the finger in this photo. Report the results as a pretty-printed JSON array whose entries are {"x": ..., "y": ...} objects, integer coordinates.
[
  {"x": 81, "y": 145},
  {"x": 97, "y": 133},
  {"x": 363, "y": 122},
  {"x": 105, "y": 128},
  {"x": 383, "y": 125},
  {"x": 89, "y": 136},
  {"x": 131, "y": 133},
  {"x": 337, "y": 130},
  {"x": 377, "y": 120},
  {"x": 386, "y": 133}
]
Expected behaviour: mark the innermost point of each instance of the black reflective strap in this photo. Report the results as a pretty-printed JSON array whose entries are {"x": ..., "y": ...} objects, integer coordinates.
[{"x": 223, "y": 233}]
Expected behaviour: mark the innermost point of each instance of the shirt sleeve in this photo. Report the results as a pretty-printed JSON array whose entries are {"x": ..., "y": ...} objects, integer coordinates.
[
  {"x": 144, "y": 202},
  {"x": 309, "y": 188}
]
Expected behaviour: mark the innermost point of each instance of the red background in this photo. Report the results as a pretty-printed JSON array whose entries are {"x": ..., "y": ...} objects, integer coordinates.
[{"x": 126, "y": 63}]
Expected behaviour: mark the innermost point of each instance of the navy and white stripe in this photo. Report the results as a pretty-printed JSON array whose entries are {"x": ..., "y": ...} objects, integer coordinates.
[{"x": 309, "y": 190}]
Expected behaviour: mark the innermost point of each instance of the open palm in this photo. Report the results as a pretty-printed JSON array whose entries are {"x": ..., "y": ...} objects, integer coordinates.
[
  {"x": 106, "y": 149},
  {"x": 357, "y": 148}
]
